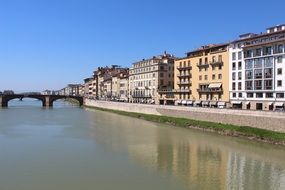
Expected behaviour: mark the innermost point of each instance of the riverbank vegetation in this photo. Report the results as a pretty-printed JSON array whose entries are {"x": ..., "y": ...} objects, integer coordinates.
[{"x": 224, "y": 129}]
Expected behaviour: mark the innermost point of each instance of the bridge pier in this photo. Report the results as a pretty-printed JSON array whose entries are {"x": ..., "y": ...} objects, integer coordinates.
[{"x": 47, "y": 102}]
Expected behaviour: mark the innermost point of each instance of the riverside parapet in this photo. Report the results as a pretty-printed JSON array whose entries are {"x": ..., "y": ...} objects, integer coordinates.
[{"x": 273, "y": 121}]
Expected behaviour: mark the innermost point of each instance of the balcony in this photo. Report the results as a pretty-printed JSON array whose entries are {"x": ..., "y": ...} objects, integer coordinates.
[
  {"x": 217, "y": 63},
  {"x": 184, "y": 75},
  {"x": 184, "y": 67},
  {"x": 183, "y": 91},
  {"x": 209, "y": 90},
  {"x": 184, "y": 82},
  {"x": 202, "y": 65}
]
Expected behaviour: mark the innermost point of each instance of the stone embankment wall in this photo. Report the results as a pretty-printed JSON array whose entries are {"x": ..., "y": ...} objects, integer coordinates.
[{"x": 274, "y": 121}]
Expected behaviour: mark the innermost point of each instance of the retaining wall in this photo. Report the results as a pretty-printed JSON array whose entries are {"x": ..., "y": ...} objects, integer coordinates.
[{"x": 274, "y": 121}]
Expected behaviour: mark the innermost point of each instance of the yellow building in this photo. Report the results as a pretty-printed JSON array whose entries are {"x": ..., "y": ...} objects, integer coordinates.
[{"x": 202, "y": 78}]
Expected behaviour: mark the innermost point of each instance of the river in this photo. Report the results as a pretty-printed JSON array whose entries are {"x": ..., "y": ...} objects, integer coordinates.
[{"x": 71, "y": 148}]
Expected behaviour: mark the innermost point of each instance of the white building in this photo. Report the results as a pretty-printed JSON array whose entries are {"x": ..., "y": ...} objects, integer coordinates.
[{"x": 257, "y": 70}]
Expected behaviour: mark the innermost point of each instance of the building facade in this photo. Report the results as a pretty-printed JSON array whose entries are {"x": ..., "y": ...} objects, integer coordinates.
[
  {"x": 201, "y": 78},
  {"x": 257, "y": 78},
  {"x": 149, "y": 76},
  {"x": 106, "y": 82}
]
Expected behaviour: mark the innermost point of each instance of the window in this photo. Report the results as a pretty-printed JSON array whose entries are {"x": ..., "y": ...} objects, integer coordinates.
[
  {"x": 268, "y": 62},
  {"x": 248, "y": 85},
  {"x": 280, "y": 48},
  {"x": 234, "y": 76},
  {"x": 206, "y": 60},
  {"x": 247, "y": 54},
  {"x": 249, "y": 95},
  {"x": 200, "y": 61},
  {"x": 200, "y": 77},
  {"x": 220, "y": 58},
  {"x": 240, "y": 95},
  {"x": 279, "y": 83},
  {"x": 153, "y": 75},
  {"x": 279, "y": 95},
  {"x": 234, "y": 95},
  {"x": 258, "y": 63},
  {"x": 258, "y": 85},
  {"x": 248, "y": 75},
  {"x": 214, "y": 59},
  {"x": 206, "y": 77},
  {"x": 234, "y": 86},
  {"x": 258, "y": 52},
  {"x": 239, "y": 86},
  {"x": 279, "y": 59},
  {"x": 161, "y": 82},
  {"x": 234, "y": 66},
  {"x": 220, "y": 76},
  {"x": 161, "y": 74},
  {"x": 258, "y": 73},
  {"x": 220, "y": 67},
  {"x": 248, "y": 64},
  {"x": 213, "y": 77},
  {"x": 259, "y": 95},
  {"x": 267, "y": 50},
  {"x": 268, "y": 84},
  {"x": 269, "y": 95},
  {"x": 268, "y": 73},
  {"x": 279, "y": 71},
  {"x": 239, "y": 65},
  {"x": 233, "y": 56},
  {"x": 239, "y": 55},
  {"x": 239, "y": 75}
]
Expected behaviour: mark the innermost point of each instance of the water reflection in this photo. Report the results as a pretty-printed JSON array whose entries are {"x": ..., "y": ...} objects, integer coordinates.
[{"x": 199, "y": 160}]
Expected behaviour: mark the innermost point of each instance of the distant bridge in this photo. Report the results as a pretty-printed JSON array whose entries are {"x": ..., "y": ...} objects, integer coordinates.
[{"x": 47, "y": 100}]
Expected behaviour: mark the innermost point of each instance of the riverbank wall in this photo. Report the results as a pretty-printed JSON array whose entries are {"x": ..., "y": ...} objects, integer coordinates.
[{"x": 274, "y": 121}]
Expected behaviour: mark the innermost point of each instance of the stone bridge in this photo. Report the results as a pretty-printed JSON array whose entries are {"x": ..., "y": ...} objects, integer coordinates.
[{"x": 47, "y": 100}]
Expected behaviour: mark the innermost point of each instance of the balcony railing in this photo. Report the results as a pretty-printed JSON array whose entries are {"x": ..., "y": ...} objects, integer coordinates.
[
  {"x": 184, "y": 67},
  {"x": 214, "y": 63},
  {"x": 209, "y": 90},
  {"x": 183, "y": 90},
  {"x": 184, "y": 75},
  {"x": 184, "y": 82},
  {"x": 202, "y": 64}
]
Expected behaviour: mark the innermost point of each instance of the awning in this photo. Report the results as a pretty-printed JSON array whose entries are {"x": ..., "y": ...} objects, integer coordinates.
[
  {"x": 212, "y": 103},
  {"x": 215, "y": 85},
  {"x": 184, "y": 102},
  {"x": 246, "y": 103},
  {"x": 221, "y": 103},
  {"x": 279, "y": 104},
  {"x": 189, "y": 102},
  {"x": 236, "y": 102}
]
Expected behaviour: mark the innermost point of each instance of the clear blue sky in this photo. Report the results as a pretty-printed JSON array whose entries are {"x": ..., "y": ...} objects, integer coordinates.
[{"x": 46, "y": 44}]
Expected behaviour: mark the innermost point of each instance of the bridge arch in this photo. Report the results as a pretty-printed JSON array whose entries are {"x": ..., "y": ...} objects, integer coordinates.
[
  {"x": 6, "y": 99},
  {"x": 55, "y": 98}
]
